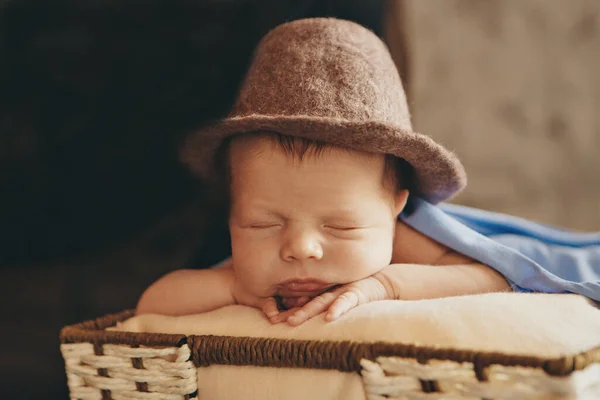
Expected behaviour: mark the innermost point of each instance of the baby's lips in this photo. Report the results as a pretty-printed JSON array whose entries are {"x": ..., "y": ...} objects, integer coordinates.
[
  {"x": 308, "y": 287},
  {"x": 304, "y": 287}
]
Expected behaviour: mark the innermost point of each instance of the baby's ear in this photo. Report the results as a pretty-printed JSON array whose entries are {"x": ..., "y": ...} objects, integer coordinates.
[{"x": 400, "y": 200}]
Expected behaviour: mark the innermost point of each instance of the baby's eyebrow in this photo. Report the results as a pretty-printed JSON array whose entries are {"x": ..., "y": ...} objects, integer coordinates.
[
  {"x": 262, "y": 210},
  {"x": 346, "y": 217},
  {"x": 345, "y": 210}
]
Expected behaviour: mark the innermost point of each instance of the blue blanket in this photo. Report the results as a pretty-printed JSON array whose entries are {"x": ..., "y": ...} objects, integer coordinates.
[{"x": 532, "y": 257}]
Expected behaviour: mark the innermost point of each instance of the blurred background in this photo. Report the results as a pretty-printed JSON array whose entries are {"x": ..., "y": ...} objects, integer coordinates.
[{"x": 96, "y": 96}]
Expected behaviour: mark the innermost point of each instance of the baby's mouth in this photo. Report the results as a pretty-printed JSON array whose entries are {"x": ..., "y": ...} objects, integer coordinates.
[{"x": 302, "y": 287}]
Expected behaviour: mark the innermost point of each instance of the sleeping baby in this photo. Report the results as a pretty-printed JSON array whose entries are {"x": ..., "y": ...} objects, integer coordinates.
[{"x": 332, "y": 195}]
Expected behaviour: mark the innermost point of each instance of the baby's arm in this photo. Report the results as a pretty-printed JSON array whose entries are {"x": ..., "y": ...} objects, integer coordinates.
[
  {"x": 418, "y": 281},
  {"x": 422, "y": 268},
  {"x": 189, "y": 291}
]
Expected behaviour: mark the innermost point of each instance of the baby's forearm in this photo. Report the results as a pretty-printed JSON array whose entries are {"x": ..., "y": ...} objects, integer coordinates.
[
  {"x": 185, "y": 292},
  {"x": 415, "y": 281}
]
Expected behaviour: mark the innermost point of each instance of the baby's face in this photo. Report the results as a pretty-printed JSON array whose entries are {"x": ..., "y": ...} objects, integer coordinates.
[{"x": 301, "y": 227}]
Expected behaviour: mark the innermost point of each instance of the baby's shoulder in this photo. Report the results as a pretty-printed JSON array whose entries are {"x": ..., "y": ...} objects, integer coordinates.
[{"x": 413, "y": 247}]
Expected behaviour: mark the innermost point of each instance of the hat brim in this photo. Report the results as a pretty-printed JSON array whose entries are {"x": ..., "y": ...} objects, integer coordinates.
[{"x": 438, "y": 172}]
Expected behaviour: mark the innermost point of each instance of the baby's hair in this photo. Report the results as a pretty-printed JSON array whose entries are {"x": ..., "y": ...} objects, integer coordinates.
[{"x": 398, "y": 173}]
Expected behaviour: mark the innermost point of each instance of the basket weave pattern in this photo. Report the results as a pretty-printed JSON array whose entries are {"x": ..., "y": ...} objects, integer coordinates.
[
  {"x": 124, "y": 372},
  {"x": 103, "y": 364},
  {"x": 406, "y": 379}
]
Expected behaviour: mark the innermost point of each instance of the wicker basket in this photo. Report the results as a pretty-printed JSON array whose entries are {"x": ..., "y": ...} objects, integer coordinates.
[{"x": 103, "y": 364}]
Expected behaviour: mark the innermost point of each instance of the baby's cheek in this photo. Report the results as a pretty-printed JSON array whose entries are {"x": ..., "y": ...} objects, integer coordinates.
[
  {"x": 252, "y": 278},
  {"x": 369, "y": 257},
  {"x": 383, "y": 249},
  {"x": 251, "y": 265}
]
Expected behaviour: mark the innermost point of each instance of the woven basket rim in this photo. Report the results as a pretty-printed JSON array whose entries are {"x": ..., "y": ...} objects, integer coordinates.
[{"x": 321, "y": 354}]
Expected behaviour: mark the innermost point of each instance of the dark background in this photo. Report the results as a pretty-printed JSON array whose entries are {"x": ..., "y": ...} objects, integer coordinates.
[{"x": 95, "y": 99}]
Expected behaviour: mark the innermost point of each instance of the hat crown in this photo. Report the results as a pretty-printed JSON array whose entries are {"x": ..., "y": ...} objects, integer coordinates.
[
  {"x": 316, "y": 68},
  {"x": 331, "y": 81}
]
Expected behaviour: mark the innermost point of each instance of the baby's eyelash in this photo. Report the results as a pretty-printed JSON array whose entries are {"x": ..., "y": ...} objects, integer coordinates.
[
  {"x": 342, "y": 228},
  {"x": 263, "y": 226}
]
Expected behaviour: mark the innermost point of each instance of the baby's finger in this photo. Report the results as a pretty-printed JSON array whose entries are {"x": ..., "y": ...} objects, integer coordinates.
[
  {"x": 345, "y": 302},
  {"x": 314, "y": 307},
  {"x": 269, "y": 307},
  {"x": 283, "y": 315},
  {"x": 291, "y": 302}
]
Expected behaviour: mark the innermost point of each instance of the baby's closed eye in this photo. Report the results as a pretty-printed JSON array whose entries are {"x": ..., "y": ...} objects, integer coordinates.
[
  {"x": 264, "y": 225},
  {"x": 344, "y": 224},
  {"x": 345, "y": 231},
  {"x": 343, "y": 227}
]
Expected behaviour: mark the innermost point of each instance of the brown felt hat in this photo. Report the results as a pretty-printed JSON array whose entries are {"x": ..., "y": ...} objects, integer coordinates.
[{"x": 332, "y": 81}]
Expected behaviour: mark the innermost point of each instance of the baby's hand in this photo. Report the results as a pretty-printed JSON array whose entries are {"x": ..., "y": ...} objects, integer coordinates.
[{"x": 336, "y": 302}]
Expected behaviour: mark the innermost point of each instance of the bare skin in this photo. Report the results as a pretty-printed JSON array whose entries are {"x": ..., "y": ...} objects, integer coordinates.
[{"x": 322, "y": 236}]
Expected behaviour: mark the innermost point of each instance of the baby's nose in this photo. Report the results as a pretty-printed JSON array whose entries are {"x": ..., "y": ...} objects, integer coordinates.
[{"x": 302, "y": 247}]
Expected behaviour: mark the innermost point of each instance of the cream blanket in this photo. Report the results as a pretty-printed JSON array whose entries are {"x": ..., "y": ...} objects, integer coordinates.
[{"x": 541, "y": 325}]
